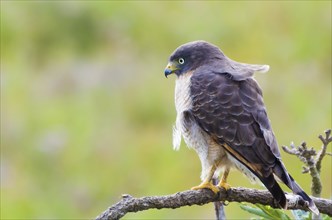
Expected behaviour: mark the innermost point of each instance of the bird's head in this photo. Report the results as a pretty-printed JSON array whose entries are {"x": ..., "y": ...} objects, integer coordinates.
[{"x": 190, "y": 56}]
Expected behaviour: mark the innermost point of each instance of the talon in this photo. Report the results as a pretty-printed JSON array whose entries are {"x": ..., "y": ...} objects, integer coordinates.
[
  {"x": 224, "y": 185},
  {"x": 223, "y": 182},
  {"x": 207, "y": 185}
]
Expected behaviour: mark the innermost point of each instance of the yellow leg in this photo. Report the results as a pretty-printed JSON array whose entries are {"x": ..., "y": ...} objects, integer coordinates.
[
  {"x": 223, "y": 182},
  {"x": 207, "y": 184}
]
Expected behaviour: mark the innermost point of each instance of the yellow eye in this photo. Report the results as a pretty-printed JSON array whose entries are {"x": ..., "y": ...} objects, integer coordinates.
[{"x": 181, "y": 60}]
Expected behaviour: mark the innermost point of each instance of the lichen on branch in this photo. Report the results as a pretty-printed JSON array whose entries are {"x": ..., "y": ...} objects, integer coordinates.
[
  {"x": 312, "y": 160},
  {"x": 204, "y": 196},
  {"x": 308, "y": 156}
]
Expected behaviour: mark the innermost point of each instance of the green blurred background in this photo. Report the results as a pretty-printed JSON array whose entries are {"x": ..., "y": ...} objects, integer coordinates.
[{"x": 87, "y": 114}]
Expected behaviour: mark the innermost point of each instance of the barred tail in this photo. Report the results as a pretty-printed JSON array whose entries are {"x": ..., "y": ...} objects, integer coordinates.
[
  {"x": 298, "y": 191},
  {"x": 284, "y": 176}
]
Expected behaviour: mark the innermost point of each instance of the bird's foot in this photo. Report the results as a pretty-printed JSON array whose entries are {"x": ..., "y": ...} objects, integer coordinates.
[
  {"x": 224, "y": 185},
  {"x": 206, "y": 185}
]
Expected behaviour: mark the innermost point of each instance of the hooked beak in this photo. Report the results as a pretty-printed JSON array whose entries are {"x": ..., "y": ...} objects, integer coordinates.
[{"x": 170, "y": 68}]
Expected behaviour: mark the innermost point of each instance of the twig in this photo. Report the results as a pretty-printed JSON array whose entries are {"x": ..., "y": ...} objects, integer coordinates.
[
  {"x": 313, "y": 164},
  {"x": 322, "y": 152},
  {"x": 201, "y": 197}
]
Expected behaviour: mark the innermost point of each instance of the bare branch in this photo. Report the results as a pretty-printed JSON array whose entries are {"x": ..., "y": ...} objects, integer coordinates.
[
  {"x": 322, "y": 152},
  {"x": 305, "y": 169},
  {"x": 292, "y": 150},
  {"x": 312, "y": 165},
  {"x": 201, "y": 197}
]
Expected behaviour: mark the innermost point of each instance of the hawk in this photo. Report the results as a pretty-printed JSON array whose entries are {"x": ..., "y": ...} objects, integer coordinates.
[{"x": 221, "y": 115}]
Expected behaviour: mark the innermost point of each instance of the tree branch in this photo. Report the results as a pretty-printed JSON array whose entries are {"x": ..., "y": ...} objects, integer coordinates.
[
  {"x": 322, "y": 152},
  {"x": 313, "y": 165},
  {"x": 263, "y": 197},
  {"x": 201, "y": 197}
]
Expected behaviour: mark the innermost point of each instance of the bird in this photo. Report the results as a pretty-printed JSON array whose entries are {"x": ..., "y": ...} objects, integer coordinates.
[{"x": 222, "y": 116}]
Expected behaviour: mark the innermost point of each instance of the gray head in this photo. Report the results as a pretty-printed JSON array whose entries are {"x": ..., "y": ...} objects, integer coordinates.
[
  {"x": 196, "y": 54},
  {"x": 192, "y": 55}
]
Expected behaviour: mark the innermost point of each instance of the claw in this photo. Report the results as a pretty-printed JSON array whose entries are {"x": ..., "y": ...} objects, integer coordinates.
[
  {"x": 224, "y": 185},
  {"x": 206, "y": 185}
]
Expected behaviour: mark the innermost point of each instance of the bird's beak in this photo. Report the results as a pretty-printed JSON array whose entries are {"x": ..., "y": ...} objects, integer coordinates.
[{"x": 170, "y": 68}]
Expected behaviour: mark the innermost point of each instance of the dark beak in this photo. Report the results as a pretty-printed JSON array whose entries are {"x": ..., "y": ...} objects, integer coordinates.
[{"x": 170, "y": 68}]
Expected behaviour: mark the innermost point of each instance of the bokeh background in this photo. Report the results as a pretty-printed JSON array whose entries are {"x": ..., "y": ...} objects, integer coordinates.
[{"x": 87, "y": 114}]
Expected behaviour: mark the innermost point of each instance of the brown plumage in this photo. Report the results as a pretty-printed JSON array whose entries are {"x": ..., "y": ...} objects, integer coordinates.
[{"x": 221, "y": 114}]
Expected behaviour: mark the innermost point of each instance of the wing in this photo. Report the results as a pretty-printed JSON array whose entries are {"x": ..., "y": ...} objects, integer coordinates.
[{"x": 233, "y": 114}]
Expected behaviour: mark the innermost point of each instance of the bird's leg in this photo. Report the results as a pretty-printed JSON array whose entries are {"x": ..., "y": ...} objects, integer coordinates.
[
  {"x": 207, "y": 183},
  {"x": 223, "y": 182}
]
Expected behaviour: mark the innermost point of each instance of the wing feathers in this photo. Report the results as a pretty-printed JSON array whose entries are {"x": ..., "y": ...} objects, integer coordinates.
[
  {"x": 233, "y": 113},
  {"x": 245, "y": 135}
]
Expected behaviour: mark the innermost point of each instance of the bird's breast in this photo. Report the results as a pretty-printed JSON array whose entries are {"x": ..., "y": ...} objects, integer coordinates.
[
  {"x": 182, "y": 93},
  {"x": 182, "y": 104}
]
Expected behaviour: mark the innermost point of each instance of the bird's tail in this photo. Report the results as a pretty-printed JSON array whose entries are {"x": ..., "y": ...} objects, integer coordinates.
[
  {"x": 274, "y": 188},
  {"x": 219, "y": 206},
  {"x": 284, "y": 176},
  {"x": 299, "y": 191}
]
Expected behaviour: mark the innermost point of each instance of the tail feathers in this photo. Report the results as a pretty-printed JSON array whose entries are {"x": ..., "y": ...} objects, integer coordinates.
[
  {"x": 274, "y": 188},
  {"x": 218, "y": 206},
  {"x": 298, "y": 191},
  {"x": 280, "y": 171}
]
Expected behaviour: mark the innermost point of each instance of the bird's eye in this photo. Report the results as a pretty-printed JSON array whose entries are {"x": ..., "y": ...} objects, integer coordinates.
[{"x": 181, "y": 60}]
